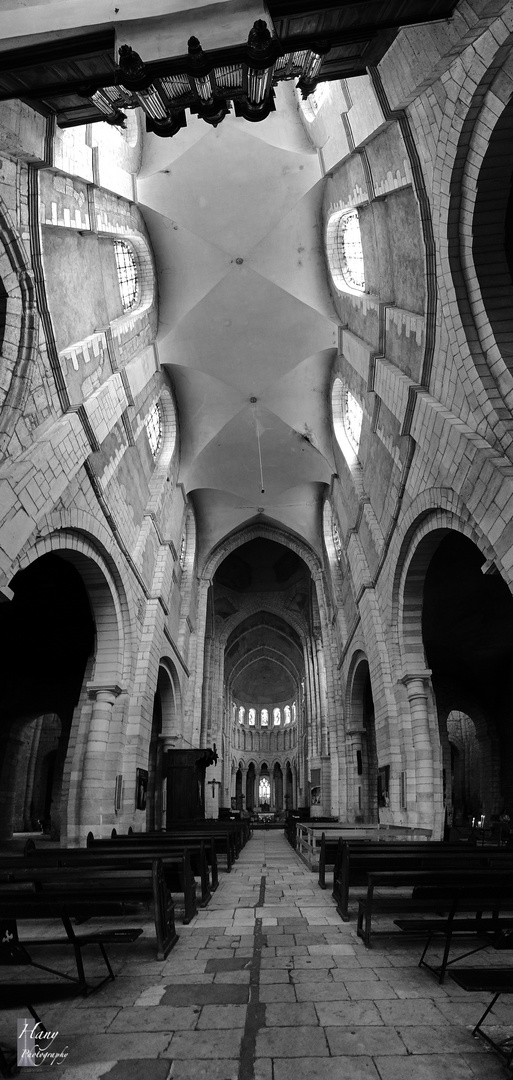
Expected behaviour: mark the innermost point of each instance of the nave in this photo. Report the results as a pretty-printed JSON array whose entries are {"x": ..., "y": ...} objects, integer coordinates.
[{"x": 267, "y": 983}]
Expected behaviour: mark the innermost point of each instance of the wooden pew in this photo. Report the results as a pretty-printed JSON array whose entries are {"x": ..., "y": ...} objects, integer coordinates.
[
  {"x": 177, "y": 866},
  {"x": 227, "y": 840},
  {"x": 37, "y": 892},
  {"x": 422, "y": 891},
  {"x": 176, "y": 862},
  {"x": 485, "y": 893},
  {"x": 239, "y": 830},
  {"x": 494, "y": 981},
  {"x": 329, "y": 854},
  {"x": 202, "y": 852},
  {"x": 354, "y": 859}
]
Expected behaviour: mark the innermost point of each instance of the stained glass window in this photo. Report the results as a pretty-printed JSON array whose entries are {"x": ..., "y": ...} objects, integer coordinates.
[{"x": 264, "y": 790}]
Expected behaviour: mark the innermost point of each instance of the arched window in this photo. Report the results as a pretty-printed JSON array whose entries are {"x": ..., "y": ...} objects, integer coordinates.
[
  {"x": 276, "y": 717},
  {"x": 128, "y": 277},
  {"x": 286, "y": 713},
  {"x": 311, "y": 105},
  {"x": 183, "y": 549},
  {"x": 294, "y": 711},
  {"x": 241, "y": 714},
  {"x": 154, "y": 428},
  {"x": 264, "y": 790},
  {"x": 337, "y": 544},
  {"x": 252, "y": 717},
  {"x": 345, "y": 255},
  {"x": 347, "y": 419},
  {"x": 264, "y": 718}
]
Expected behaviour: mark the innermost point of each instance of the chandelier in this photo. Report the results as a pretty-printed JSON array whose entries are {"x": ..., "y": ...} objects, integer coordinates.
[{"x": 208, "y": 84}]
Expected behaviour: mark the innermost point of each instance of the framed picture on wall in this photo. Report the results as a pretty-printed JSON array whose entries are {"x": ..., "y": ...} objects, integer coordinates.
[{"x": 141, "y": 788}]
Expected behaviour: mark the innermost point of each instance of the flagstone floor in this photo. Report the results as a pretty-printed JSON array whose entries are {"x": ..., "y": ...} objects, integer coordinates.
[{"x": 267, "y": 983}]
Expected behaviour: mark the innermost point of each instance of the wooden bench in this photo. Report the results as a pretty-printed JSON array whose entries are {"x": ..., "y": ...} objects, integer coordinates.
[
  {"x": 179, "y": 862},
  {"x": 177, "y": 869},
  {"x": 226, "y": 840},
  {"x": 419, "y": 893},
  {"x": 229, "y": 836},
  {"x": 354, "y": 860},
  {"x": 84, "y": 892},
  {"x": 479, "y": 896},
  {"x": 329, "y": 854},
  {"x": 202, "y": 852},
  {"x": 494, "y": 981}
]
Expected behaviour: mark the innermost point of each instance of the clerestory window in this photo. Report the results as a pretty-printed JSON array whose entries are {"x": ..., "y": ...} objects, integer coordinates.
[
  {"x": 154, "y": 429},
  {"x": 345, "y": 253},
  {"x": 128, "y": 277},
  {"x": 347, "y": 419}
]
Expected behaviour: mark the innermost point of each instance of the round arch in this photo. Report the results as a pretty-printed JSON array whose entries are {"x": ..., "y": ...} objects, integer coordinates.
[
  {"x": 22, "y": 317},
  {"x": 481, "y": 366},
  {"x": 104, "y": 679},
  {"x": 268, "y": 532},
  {"x": 361, "y": 744},
  {"x": 419, "y": 545}
]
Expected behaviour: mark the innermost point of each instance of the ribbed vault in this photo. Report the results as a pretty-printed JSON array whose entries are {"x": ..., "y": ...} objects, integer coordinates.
[{"x": 234, "y": 215}]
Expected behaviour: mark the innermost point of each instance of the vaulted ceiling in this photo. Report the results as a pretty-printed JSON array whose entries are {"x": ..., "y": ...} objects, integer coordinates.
[{"x": 234, "y": 216}]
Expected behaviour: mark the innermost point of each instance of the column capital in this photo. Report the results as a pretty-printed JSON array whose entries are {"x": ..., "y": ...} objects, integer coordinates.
[
  {"x": 421, "y": 676},
  {"x": 104, "y": 692},
  {"x": 170, "y": 742}
]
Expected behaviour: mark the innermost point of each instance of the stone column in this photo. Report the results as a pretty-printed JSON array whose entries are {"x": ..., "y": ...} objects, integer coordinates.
[
  {"x": 8, "y": 778},
  {"x": 28, "y": 823},
  {"x": 417, "y": 691},
  {"x": 244, "y": 787},
  {"x": 93, "y": 792},
  {"x": 355, "y": 784}
]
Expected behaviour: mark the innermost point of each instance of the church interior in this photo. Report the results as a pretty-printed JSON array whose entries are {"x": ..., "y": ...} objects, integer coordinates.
[{"x": 256, "y": 475}]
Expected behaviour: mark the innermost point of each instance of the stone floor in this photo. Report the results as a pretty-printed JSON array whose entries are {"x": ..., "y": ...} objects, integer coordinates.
[{"x": 267, "y": 983}]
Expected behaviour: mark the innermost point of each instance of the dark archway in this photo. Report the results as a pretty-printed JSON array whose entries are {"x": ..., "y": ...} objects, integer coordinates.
[
  {"x": 467, "y": 630},
  {"x": 366, "y": 794},
  {"x": 48, "y": 635},
  {"x": 250, "y": 787}
]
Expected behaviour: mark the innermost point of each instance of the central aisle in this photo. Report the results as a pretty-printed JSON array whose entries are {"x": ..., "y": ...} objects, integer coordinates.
[{"x": 267, "y": 983}]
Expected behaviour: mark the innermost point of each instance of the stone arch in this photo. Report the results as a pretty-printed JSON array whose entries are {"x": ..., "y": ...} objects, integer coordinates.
[
  {"x": 17, "y": 360},
  {"x": 187, "y": 564},
  {"x": 336, "y": 560},
  {"x": 107, "y": 598},
  {"x": 168, "y": 451},
  {"x": 422, "y": 581},
  {"x": 486, "y": 758},
  {"x": 165, "y": 730},
  {"x": 269, "y": 532},
  {"x": 419, "y": 545},
  {"x": 481, "y": 366},
  {"x": 361, "y": 742},
  {"x": 168, "y": 686},
  {"x": 105, "y": 678}
]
